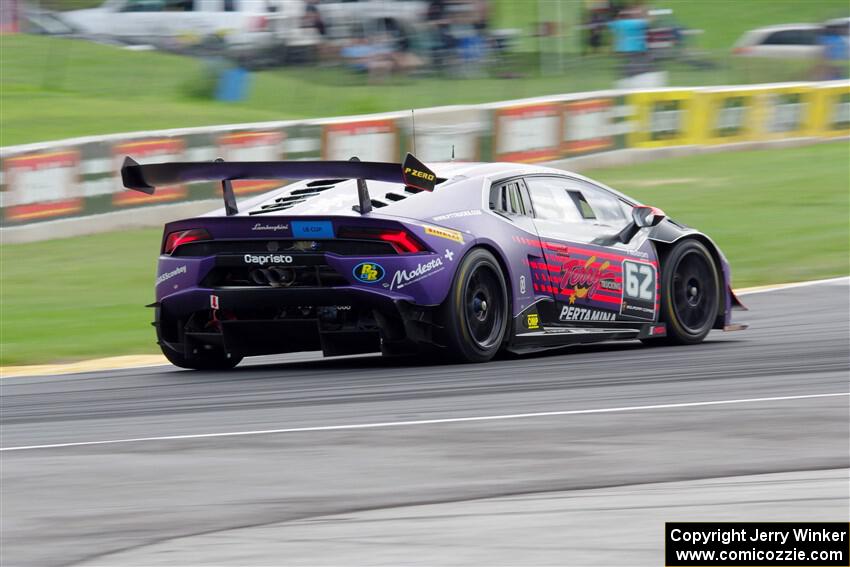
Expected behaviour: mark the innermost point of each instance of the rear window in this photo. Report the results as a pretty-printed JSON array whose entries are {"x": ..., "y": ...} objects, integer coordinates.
[{"x": 508, "y": 198}]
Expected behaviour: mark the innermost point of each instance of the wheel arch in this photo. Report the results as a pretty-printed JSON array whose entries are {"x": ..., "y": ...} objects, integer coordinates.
[
  {"x": 499, "y": 255},
  {"x": 663, "y": 247}
]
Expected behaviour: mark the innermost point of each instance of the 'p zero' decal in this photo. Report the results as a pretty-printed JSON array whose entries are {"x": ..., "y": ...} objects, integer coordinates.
[{"x": 639, "y": 289}]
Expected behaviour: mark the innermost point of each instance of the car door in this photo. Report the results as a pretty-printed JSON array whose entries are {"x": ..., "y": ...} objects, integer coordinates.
[
  {"x": 589, "y": 272},
  {"x": 509, "y": 200},
  {"x": 135, "y": 21}
]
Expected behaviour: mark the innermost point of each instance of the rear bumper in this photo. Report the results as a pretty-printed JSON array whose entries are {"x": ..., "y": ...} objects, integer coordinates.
[
  {"x": 241, "y": 298},
  {"x": 260, "y": 321}
]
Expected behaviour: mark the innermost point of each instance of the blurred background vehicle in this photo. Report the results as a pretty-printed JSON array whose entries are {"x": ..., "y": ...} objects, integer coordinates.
[
  {"x": 795, "y": 41},
  {"x": 787, "y": 41},
  {"x": 253, "y": 31}
]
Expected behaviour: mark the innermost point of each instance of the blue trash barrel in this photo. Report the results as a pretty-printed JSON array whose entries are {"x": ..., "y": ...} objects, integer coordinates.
[{"x": 232, "y": 85}]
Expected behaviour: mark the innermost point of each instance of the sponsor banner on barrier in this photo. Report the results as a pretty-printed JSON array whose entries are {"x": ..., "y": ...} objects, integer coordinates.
[
  {"x": 662, "y": 118},
  {"x": 588, "y": 126},
  {"x": 724, "y": 116},
  {"x": 833, "y": 110},
  {"x": 153, "y": 150},
  {"x": 369, "y": 140},
  {"x": 42, "y": 185},
  {"x": 81, "y": 177},
  {"x": 528, "y": 133},
  {"x": 252, "y": 145},
  {"x": 786, "y": 112},
  {"x": 448, "y": 135}
]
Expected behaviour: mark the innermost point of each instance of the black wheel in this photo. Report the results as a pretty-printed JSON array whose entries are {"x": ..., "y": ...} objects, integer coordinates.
[
  {"x": 214, "y": 359},
  {"x": 475, "y": 314},
  {"x": 690, "y": 293}
]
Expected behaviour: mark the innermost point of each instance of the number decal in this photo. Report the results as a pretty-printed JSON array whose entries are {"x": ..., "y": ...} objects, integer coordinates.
[{"x": 639, "y": 282}]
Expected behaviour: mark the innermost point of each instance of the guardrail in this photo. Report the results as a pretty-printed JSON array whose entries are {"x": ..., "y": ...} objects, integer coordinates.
[{"x": 79, "y": 177}]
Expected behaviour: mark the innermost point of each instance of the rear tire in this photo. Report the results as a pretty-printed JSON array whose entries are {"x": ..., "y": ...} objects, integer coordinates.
[
  {"x": 208, "y": 360},
  {"x": 690, "y": 294},
  {"x": 475, "y": 314}
]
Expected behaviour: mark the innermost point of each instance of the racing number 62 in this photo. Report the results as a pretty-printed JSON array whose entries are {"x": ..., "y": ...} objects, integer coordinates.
[{"x": 640, "y": 280}]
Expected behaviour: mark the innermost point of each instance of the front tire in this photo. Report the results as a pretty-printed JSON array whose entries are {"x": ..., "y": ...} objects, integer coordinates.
[
  {"x": 690, "y": 293},
  {"x": 475, "y": 314}
]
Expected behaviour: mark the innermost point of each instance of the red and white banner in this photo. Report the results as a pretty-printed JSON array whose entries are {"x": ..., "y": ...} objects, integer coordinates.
[
  {"x": 528, "y": 133},
  {"x": 587, "y": 126},
  {"x": 369, "y": 140},
  {"x": 252, "y": 146},
  {"x": 42, "y": 185},
  {"x": 148, "y": 151}
]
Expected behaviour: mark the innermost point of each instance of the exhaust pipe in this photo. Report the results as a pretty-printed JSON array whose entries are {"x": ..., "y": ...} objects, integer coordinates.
[
  {"x": 260, "y": 277},
  {"x": 271, "y": 276},
  {"x": 284, "y": 277},
  {"x": 275, "y": 276}
]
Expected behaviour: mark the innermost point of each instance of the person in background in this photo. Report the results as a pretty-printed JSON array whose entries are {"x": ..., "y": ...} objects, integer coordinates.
[
  {"x": 629, "y": 31},
  {"x": 441, "y": 40},
  {"x": 594, "y": 28},
  {"x": 835, "y": 56},
  {"x": 313, "y": 18}
]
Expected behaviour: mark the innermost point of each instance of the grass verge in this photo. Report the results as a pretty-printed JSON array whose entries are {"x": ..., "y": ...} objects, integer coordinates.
[{"x": 779, "y": 215}]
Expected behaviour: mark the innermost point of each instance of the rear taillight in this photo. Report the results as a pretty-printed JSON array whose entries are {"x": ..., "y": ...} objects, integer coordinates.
[
  {"x": 402, "y": 241},
  {"x": 181, "y": 237}
]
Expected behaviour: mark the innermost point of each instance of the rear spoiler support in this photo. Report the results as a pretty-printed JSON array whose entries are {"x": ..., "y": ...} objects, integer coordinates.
[
  {"x": 146, "y": 178},
  {"x": 363, "y": 198},
  {"x": 228, "y": 195}
]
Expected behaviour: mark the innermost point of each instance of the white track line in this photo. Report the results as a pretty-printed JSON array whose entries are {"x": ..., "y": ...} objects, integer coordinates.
[
  {"x": 386, "y": 424},
  {"x": 779, "y": 287}
]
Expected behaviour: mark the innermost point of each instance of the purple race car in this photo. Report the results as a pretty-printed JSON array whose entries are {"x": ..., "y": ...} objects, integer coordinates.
[{"x": 463, "y": 261}]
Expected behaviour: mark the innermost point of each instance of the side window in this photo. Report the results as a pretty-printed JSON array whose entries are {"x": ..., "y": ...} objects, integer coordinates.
[
  {"x": 551, "y": 199},
  {"x": 180, "y": 5},
  {"x": 792, "y": 37},
  {"x": 607, "y": 207},
  {"x": 143, "y": 6},
  {"x": 508, "y": 198},
  {"x": 582, "y": 205}
]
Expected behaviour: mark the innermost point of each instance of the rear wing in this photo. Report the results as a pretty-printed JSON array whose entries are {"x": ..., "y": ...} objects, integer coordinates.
[{"x": 146, "y": 178}]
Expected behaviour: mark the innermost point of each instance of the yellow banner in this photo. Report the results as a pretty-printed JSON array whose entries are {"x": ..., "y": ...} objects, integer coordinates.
[
  {"x": 662, "y": 118},
  {"x": 832, "y": 110}
]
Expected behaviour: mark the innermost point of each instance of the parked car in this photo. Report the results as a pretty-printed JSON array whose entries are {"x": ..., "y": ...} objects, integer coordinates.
[
  {"x": 787, "y": 41},
  {"x": 246, "y": 27}
]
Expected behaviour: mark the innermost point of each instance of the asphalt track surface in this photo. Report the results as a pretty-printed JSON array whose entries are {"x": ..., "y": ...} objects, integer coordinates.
[{"x": 580, "y": 457}]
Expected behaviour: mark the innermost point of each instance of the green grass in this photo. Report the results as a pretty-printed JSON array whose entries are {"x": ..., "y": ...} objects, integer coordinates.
[
  {"x": 779, "y": 215},
  {"x": 78, "y": 297}
]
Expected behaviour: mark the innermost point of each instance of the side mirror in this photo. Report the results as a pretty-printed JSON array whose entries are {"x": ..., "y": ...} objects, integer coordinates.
[
  {"x": 642, "y": 217},
  {"x": 645, "y": 217}
]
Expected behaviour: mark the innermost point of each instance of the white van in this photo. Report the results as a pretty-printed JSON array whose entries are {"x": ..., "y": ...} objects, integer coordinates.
[{"x": 246, "y": 26}]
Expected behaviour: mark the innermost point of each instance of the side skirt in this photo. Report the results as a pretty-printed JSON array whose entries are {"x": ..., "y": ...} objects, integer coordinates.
[{"x": 554, "y": 337}]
